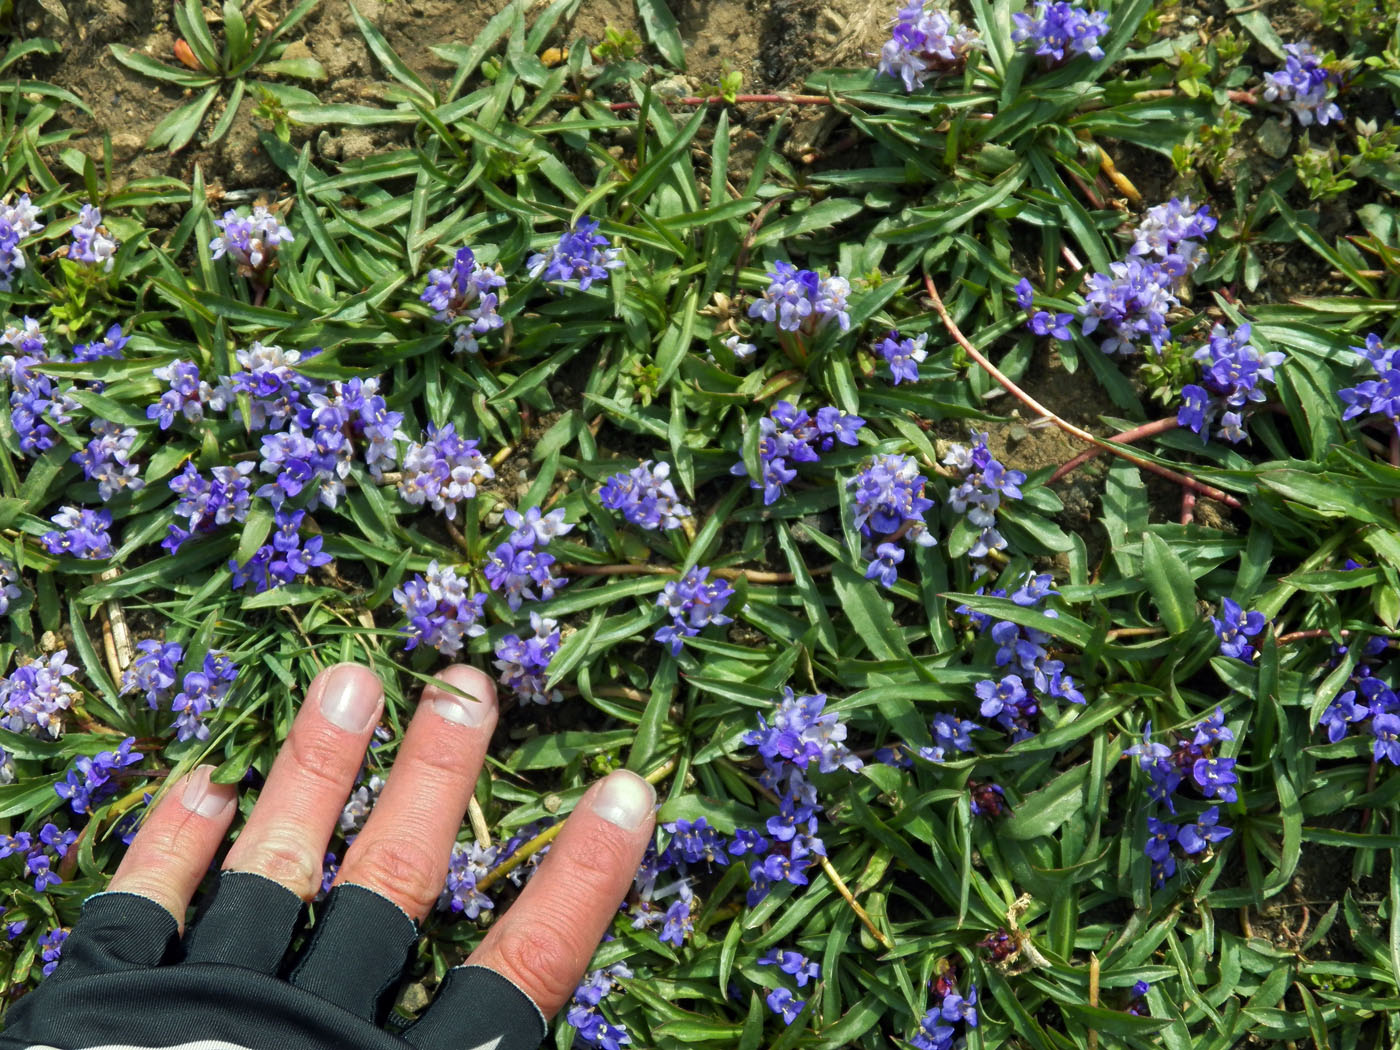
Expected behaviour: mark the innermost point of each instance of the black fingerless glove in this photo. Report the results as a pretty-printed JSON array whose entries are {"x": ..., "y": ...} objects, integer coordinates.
[{"x": 127, "y": 980}]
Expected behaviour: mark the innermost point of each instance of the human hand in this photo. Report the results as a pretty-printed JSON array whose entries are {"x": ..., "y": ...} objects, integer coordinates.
[{"x": 129, "y": 979}]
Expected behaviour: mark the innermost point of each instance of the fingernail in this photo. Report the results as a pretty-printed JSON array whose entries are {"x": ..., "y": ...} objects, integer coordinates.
[
  {"x": 205, "y": 798},
  {"x": 469, "y": 710},
  {"x": 350, "y": 698},
  {"x": 625, "y": 799}
]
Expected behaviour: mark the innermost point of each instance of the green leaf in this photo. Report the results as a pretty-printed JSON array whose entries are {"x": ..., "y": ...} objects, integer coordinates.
[
  {"x": 1170, "y": 584},
  {"x": 663, "y": 31}
]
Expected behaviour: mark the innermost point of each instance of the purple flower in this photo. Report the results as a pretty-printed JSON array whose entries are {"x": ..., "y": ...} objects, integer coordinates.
[
  {"x": 801, "y": 300},
  {"x": 9, "y": 585},
  {"x": 187, "y": 395},
  {"x": 17, "y": 221},
  {"x": 81, "y": 533},
  {"x": 208, "y": 503},
  {"x": 1233, "y": 370},
  {"x": 250, "y": 241},
  {"x": 1172, "y": 233},
  {"x": 110, "y": 345},
  {"x": 1234, "y": 627},
  {"x": 592, "y": 1028},
  {"x": 467, "y": 292},
  {"x": 792, "y": 435},
  {"x": 1340, "y": 714},
  {"x": 200, "y": 692},
  {"x": 1131, "y": 301},
  {"x": 1304, "y": 83},
  {"x": 524, "y": 661},
  {"x": 155, "y": 671},
  {"x": 439, "y": 611},
  {"x": 985, "y": 482},
  {"x": 1196, "y": 837},
  {"x": 885, "y": 565},
  {"x": 270, "y": 379},
  {"x": 801, "y": 734},
  {"x": 677, "y": 924},
  {"x": 91, "y": 779},
  {"x": 782, "y": 1003},
  {"x": 1380, "y": 395},
  {"x": 1058, "y": 30},
  {"x": 1057, "y": 324},
  {"x": 468, "y": 864},
  {"x": 645, "y": 496},
  {"x": 694, "y": 602},
  {"x": 794, "y": 963},
  {"x": 443, "y": 471},
  {"x": 284, "y": 559},
  {"x": 925, "y": 43},
  {"x": 91, "y": 242},
  {"x": 932, "y": 1033},
  {"x": 1025, "y": 294},
  {"x": 961, "y": 1008},
  {"x": 581, "y": 255},
  {"x": 107, "y": 459},
  {"x": 51, "y": 948},
  {"x": 1215, "y": 777},
  {"x": 36, "y": 694},
  {"x": 887, "y": 494},
  {"x": 903, "y": 356},
  {"x": 1385, "y": 728}
]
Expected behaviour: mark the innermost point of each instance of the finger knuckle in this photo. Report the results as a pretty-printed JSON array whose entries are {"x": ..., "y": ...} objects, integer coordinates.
[
  {"x": 532, "y": 953},
  {"x": 320, "y": 755},
  {"x": 283, "y": 857},
  {"x": 597, "y": 862},
  {"x": 403, "y": 869}
]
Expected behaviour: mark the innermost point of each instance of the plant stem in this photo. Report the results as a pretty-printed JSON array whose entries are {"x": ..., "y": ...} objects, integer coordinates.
[
  {"x": 1127, "y": 437},
  {"x": 751, "y": 575},
  {"x": 720, "y": 100},
  {"x": 861, "y": 913},
  {"x": 1209, "y": 491}
]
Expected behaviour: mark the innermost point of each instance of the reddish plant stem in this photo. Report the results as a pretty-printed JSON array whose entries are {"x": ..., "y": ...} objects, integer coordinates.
[
  {"x": 1127, "y": 437},
  {"x": 1208, "y": 491},
  {"x": 1243, "y": 98},
  {"x": 1315, "y": 632},
  {"x": 1188, "y": 506},
  {"x": 1089, "y": 194}
]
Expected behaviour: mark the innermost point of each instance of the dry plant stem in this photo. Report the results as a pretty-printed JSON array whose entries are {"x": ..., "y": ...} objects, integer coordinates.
[
  {"x": 861, "y": 914},
  {"x": 1124, "y": 184},
  {"x": 1134, "y": 632},
  {"x": 1127, "y": 437},
  {"x": 1315, "y": 632},
  {"x": 1209, "y": 491},
  {"x": 1093, "y": 1040},
  {"x": 478, "y": 823},
  {"x": 1243, "y": 98},
  {"x": 457, "y": 537},
  {"x": 549, "y": 834}
]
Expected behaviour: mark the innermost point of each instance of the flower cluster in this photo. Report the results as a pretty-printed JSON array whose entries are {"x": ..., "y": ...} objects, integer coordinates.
[
  {"x": 51, "y": 948},
  {"x": 9, "y": 585},
  {"x": 1232, "y": 369},
  {"x": 801, "y": 734},
  {"x": 270, "y": 380},
  {"x": 1367, "y": 696},
  {"x": 41, "y": 852},
  {"x": 81, "y": 533},
  {"x": 581, "y": 254},
  {"x": 91, "y": 242},
  {"x": 110, "y": 345},
  {"x": 90, "y": 779},
  {"x": 938, "y": 1029},
  {"x": 439, "y": 611},
  {"x": 904, "y": 356},
  {"x": 1058, "y": 30},
  {"x": 524, "y": 661},
  {"x": 468, "y": 864},
  {"x": 208, "y": 503},
  {"x": 443, "y": 470},
  {"x": 1167, "y": 768},
  {"x": 802, "y": 300},
  {"x": 888, "y": 496},
  {"x": 1379, "y": 396},
  {"x": 1305, "y": 84},
  {"x": 157, "y": 670},
  {"x": 465, "y": 292},
  {"x": 34, "y": 696},
  {"x": 35, "y": 399},
  {"x": 1015, "y": 699},
  {"x": 282, "y": 560},
  {"x": 1172, "y": 233},
  {"x": 250, "y": 241},
  {"x": 1235, "y": 627},
  {"x": 1131, "y": 301},
  {"x": 187, "y": 395},
  {"x": 985, "y": 483},
  {"x": 521, "y": 568},
  {"x": 692, "y": 843},
  {"x": 796, "y": 965},
  {"x": 950, "y": 733},
  {"x": 645, "y": 496},
  {"x": 789, "y": 435},
  {"x": 925, "y": 43},
  {"x": 17, "y": 221},
  {"x": 583, "y": 1013},
  {"x": 107, "y": 459},
  {"x": 359, "y": 805},
  {"x": 694, "y": 602}
]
